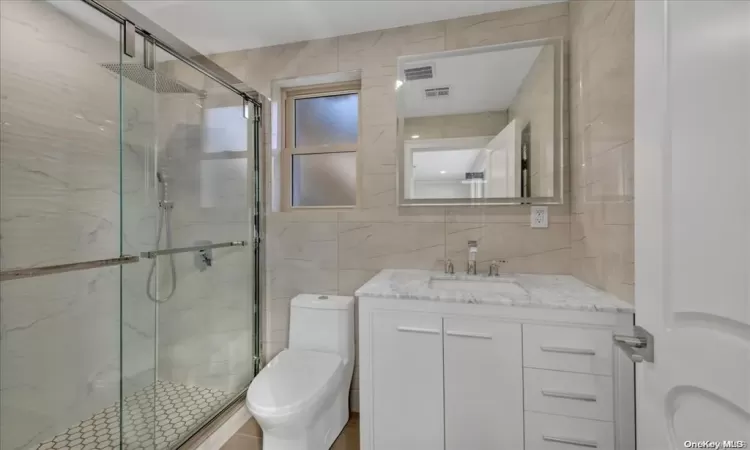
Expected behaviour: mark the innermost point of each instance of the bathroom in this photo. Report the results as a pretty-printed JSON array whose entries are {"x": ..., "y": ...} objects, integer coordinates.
[{"x": 156, "y": 224}]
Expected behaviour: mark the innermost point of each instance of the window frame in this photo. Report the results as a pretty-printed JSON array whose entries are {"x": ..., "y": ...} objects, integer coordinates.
[{"x": 289, "y": 149}]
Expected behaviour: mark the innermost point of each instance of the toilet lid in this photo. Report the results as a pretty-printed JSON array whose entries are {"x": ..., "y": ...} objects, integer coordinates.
[{"x": 293, "y": 380}]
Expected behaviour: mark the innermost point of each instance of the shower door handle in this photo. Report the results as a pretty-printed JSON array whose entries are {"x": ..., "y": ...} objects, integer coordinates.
[
  {"x": 15, "y": 274},
  {"x": 196, "y": 248}
]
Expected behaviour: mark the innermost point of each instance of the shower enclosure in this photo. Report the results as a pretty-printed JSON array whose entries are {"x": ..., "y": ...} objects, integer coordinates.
[{"x": 129, "y": 202}]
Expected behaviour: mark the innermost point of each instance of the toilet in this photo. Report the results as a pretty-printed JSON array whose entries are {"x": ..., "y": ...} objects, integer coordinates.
[{"x": 301, "y": 398}]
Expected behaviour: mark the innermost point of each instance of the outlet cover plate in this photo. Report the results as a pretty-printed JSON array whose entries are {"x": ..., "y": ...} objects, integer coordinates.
[{"x": 539, "y": 217}]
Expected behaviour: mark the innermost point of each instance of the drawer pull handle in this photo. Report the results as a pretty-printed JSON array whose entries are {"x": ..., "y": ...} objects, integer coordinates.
[
  {"x": 577, "y": 442},
  {"x": 468, "y": 334},
  {"x": 418, "y": 330},
  {"x": 572, "y": 351},
  {"x": 569, "y": 395}
]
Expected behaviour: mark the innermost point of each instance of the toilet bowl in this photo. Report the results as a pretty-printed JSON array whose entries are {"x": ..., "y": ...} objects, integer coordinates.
[{"x": 300, "y": 399}]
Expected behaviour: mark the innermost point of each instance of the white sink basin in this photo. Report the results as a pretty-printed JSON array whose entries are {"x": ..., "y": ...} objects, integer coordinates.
[{"x": 484, "y": 285}]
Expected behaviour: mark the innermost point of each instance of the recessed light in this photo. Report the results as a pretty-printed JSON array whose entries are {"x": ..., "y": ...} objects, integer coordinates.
[
  {"x": 415, "y": 136},
  {"x": 442, "y": 171}
]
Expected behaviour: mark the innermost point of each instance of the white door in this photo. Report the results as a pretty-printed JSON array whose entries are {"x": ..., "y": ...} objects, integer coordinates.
[
  {"x": 483, "y": 385},
  {"x": 692, "y": 217},
  {"x": 407, "y": 381}
]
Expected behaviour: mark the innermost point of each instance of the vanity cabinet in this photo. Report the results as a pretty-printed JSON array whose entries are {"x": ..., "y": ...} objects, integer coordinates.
[{"x": 455, "y": 376}]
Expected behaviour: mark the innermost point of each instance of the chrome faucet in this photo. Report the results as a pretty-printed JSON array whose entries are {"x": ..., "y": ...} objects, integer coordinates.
[
  {"x": 471, "y": 268},
  {"x": 449, "y": 267},
  {"x": 494, "y": 268}
]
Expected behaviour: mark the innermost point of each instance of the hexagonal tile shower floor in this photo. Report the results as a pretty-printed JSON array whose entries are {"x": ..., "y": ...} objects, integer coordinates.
[{"x": 179, "y": 409}]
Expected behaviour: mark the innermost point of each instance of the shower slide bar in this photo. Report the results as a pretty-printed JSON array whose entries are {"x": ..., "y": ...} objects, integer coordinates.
[
  {"x": 169, "y": 251},
  {"x": 15, "y": 274}
]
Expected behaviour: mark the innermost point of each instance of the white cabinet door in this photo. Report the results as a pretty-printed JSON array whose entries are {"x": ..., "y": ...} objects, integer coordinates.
[
  {"x": 483, "y": 385},
  {"x": 407, "y": 381}
]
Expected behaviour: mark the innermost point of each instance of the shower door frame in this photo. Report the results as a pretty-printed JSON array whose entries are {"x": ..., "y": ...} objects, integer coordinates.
[{"x": 134, "y": 22}]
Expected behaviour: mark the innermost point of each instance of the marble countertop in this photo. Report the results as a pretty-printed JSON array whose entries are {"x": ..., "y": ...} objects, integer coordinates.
[{"x": 536, "y": 291}]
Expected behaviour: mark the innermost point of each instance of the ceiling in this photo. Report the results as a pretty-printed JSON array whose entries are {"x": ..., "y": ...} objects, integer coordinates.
[
  {"x": 479, "y": 82},
  {"x": 443, "y": 164},
  {"x": 226, "y": 25}
]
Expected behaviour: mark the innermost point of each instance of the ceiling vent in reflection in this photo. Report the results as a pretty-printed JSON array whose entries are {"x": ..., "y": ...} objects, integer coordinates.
[
  {"x": 438, "y": 92},
  {"x": 420, "y": 72}
]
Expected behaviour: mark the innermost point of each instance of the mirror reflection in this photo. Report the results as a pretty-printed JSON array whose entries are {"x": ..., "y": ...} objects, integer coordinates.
[{"x": 480, "y": 124}]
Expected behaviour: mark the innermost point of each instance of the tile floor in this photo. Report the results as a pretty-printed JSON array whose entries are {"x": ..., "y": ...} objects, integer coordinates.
[
  {"x": 178, "y": 409},
  {"x": 249, "y": 437}
]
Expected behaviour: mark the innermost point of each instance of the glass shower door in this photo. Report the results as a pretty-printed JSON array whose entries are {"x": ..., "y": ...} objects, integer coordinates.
[
  {"x": 190, "y": 301},
  {"x": 60, "y": 226}
]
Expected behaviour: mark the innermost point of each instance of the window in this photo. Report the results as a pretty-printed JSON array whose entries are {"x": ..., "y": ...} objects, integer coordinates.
[{"x": 321, "y": 139}]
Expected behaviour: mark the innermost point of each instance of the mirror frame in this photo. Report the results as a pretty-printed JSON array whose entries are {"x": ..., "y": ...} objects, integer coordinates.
[{"x": 560, "y": 176}]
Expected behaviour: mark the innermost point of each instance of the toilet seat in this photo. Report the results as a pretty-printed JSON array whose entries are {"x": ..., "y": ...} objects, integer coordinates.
[{"x": 294, "y": 381}]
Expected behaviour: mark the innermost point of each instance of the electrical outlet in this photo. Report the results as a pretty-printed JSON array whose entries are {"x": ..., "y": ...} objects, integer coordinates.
[{"x": 539, "y": 217}]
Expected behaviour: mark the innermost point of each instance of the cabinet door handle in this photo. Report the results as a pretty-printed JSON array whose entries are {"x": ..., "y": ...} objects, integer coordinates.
[
  {"x": 468, "y": 334},
  {"x": 418, "y": 330},
  {"x": 572, "y": 351},
  {"x": 577, "y": 442},
  {"x": 569, "y": 395}
]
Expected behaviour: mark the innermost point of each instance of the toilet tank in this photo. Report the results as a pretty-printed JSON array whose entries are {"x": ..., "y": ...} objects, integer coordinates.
[{"x": 322, "y": 323}]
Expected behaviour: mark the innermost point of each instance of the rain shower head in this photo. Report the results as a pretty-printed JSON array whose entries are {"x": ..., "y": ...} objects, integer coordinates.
[{"x": 151, "y": 79}]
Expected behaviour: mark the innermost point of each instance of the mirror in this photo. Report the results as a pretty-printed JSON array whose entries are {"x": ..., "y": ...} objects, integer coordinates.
[{"x": 482, "y": 125}]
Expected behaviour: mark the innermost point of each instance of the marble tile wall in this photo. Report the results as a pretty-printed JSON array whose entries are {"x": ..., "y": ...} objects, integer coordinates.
[
  {"x": 335, "y": 252},
  {"x": 601, "y": 74}
]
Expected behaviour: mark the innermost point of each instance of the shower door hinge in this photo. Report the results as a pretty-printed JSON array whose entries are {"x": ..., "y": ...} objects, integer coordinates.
[
  {"x": 128, "y": 44},
  {"x": 256, "y": 118}
]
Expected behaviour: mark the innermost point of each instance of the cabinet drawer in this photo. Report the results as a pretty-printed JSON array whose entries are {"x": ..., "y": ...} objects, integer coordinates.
[
  {"x": 549, "y": 432},
  {"x": 570, "y": 394},
  {"x": 569, "y": 349}
]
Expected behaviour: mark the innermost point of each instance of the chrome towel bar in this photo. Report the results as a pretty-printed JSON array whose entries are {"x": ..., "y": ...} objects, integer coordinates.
[
  {"x": 170, "y": 251},
  {"x": 15, "y": 274}
]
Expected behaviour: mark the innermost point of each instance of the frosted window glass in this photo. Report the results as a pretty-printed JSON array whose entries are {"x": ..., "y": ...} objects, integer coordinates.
[
  {"x": 224, "y": 183},
  {"x": 324, "y": 179},
  {"x": 226, "y": 130},
  {"x": 326, "y": 120}
]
